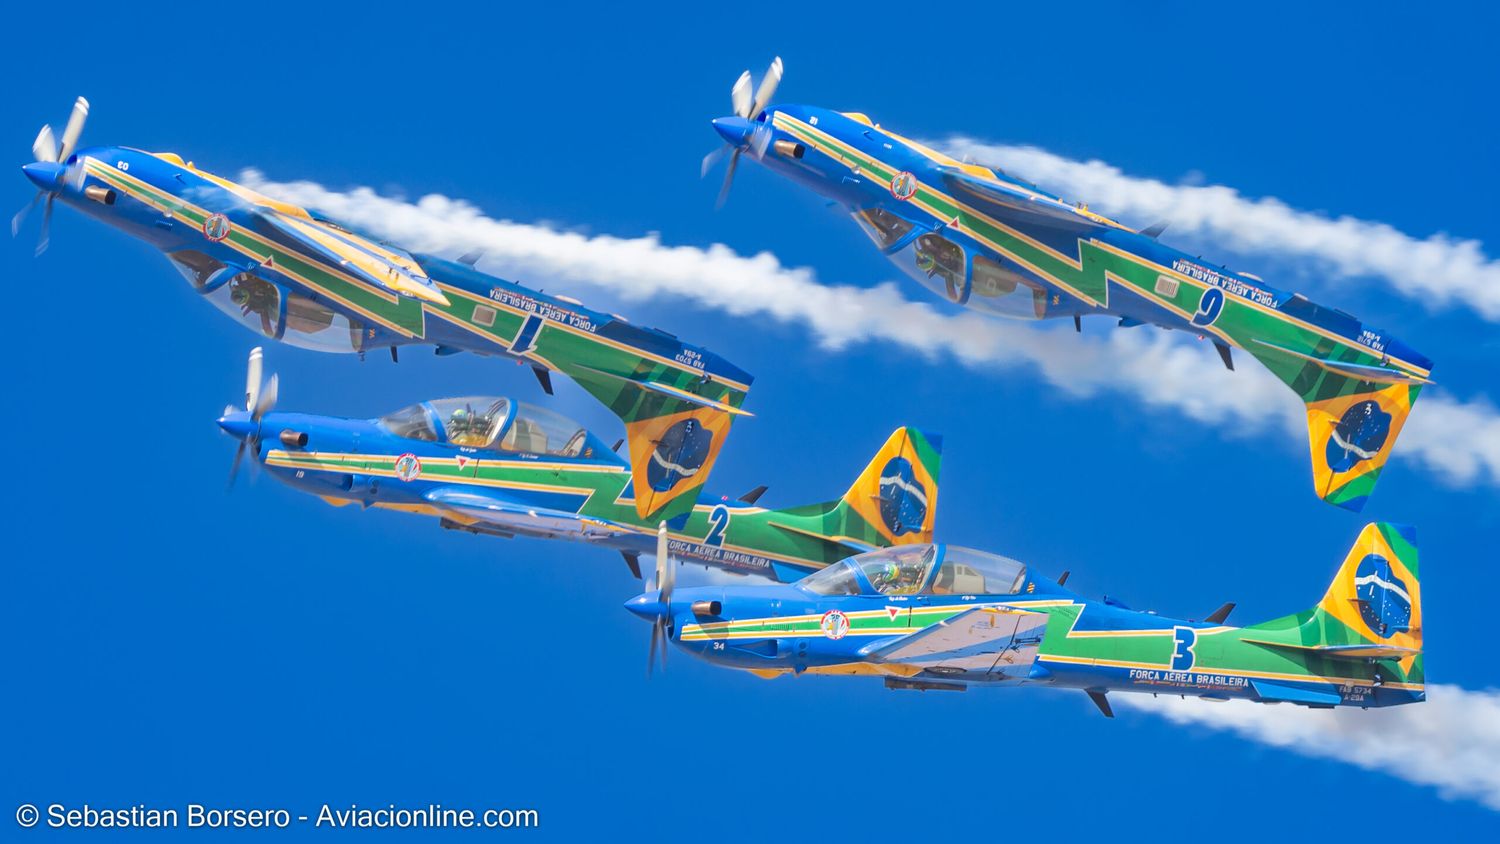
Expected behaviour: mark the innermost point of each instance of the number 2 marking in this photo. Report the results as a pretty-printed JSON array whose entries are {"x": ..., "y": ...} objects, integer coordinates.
[{"x": 718, "y": 522}]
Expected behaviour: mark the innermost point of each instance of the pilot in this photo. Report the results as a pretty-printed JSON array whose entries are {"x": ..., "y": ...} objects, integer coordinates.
[
  {"x": 887, "y": 578},
  {"x": 465, "y": 428}
]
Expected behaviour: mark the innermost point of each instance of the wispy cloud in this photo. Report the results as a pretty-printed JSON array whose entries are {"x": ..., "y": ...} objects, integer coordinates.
[
  {"x": 1458, "y": 441},
  {"x": 1451, "y": 742},
  {"x": 1438, "y": 270}
]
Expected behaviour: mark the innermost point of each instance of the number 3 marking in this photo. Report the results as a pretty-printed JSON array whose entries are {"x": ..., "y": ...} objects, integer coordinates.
[
  {"x": 718, "y": 522},
  {"x": 1183, "y": 639}
]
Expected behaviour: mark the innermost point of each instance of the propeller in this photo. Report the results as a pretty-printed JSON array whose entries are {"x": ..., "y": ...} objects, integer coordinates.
[
  {"x": 260, "y": 399},
  {"x": 665, "y": 577},
  {"x": 50, "y": 170},
  {"x": 746, "y": 110}
]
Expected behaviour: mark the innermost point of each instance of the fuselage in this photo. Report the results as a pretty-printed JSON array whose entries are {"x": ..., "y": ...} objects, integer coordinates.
[
  {"x": 1035, "y": 633},
  {"x": 554, "y": 481},
  {"x": 310, "y": 282},
  {"x": 983, "y": 240}
]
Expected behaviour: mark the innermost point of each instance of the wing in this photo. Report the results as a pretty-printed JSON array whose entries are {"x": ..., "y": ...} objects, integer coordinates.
[
  {"x": 468, "y": 507},
  {"x": 370, "y": 262},
  {"x": 981, "y": 642},
  {"x": 1013, "y": 203}
]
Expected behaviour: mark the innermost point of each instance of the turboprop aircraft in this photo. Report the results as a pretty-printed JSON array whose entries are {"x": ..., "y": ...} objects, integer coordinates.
[
  {"x": 496, "y": 466},
  {"x": 939, "y": 617},
  {"x": 294, "y": 276},
  {"x": 986, "y": 240}
]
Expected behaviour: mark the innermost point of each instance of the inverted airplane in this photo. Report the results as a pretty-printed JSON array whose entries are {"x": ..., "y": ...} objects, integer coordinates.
[
  {"x": 986, "y": 240},
  {"x": 294, "y": 276},
  {"x": 944, "y": 618},
  {"x": 496, "y": 466}
]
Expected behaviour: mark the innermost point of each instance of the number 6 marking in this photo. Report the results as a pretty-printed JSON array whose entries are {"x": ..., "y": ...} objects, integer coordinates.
[{"x": 1209, "y": 306}]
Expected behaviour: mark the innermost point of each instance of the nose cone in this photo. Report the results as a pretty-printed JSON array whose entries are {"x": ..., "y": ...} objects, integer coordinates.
[
  {"x": 734, "y": 130},
  {"x": 647, "y": 605},
  {"x": 45, "y": 174},
  {"x": 237, "y": 424}
]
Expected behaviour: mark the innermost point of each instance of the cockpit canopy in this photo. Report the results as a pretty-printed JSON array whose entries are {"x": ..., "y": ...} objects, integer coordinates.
[
  {"x": 489, "y": 422},
  {"x": 919, "y": 570}
]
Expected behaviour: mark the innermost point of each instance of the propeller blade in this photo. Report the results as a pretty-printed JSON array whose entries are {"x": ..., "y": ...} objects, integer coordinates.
[
  {"x": 767, "y": 88},
  {"x": 252, "y": 379},
  {"x": 712, "y": 160},
  {"x": 760, "y": 139},
  {"x": 666, "y": 575},
  {"x": 734, "y": 161},
  {"x": 651, "y": 654},
  {"x": 664, "y": 638},
  {"x": 234, "y": 468},
  {"x": 739, "y": 95},
  {"x": 15, "y": 222},
  {"x": 46, "y": 235},
  {"x": 267, "y": 401},
  {"x": 73, "y": 129},
  {"x": 44, "y": 148}
]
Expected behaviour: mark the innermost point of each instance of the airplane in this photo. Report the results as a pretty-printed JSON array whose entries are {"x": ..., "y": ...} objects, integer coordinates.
[
  {"x": 297, "y": 277},
  {"x": 500, "y": 467},
  {"x": 931, "y": 617},
  {"x": 987, "y": 240}
]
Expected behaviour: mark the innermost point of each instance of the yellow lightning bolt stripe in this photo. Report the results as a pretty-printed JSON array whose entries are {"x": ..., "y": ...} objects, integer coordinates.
[{"x": 843, "y": 152}]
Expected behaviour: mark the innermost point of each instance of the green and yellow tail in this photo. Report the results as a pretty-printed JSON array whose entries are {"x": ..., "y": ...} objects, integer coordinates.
[
  {"x": 1372, "y": 610},
  {"x": 894, "y": 500}
]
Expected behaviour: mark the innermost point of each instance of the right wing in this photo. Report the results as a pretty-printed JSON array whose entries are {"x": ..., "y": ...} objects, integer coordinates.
[
  {"x": 495, "y": 511},
  {"x": 980, "y": 641}
]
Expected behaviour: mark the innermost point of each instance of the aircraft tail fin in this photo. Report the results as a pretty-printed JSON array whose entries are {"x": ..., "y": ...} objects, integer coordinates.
[
  {"x": 892, "y": 502},
  {"x": 1372, "y": 610},
  {"x": 1355, "y": 411}
]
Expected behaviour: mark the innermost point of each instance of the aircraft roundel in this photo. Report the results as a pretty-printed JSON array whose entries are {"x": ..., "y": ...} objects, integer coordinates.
[
  {"x": 408, "y": 467},
  {"x": 834, "y": 624},
  {"x": 1358, "y": 436},
  {"x": 679, "y": 454},
  {"x": 903, "y": 186},
  {"x": 1385, "y": 602},
  {"x": 216, "y": 227},
  {"x": 903, "y": 498}
]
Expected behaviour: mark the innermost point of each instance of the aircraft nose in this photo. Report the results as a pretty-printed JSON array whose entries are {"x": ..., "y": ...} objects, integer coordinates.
[
  {"x": 46, "y": 175},
  {"x": 237, "y": 424},
  {"x": 734, "y": 130},
  {"x": 647, "y": 605}
]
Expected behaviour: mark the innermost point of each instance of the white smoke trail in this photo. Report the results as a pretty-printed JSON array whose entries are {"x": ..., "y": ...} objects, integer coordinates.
[
  {"x": 1438, "y": 270},
  {"x": 1460, "y": 442},
  {"x": 1452, "y": 741}
]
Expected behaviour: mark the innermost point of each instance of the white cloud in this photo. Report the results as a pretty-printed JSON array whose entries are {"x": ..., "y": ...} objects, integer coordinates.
[
  {"x": 1452, "y": 741},
  {"x": 1438, "y": 271},
  {"x": 1460, "y": 442}
]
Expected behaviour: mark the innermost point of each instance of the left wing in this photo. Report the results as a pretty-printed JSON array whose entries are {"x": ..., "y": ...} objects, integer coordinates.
[
  {"x": 515, "y": 517},
  {"x": 981, "y": 641},
  {"x": 373, "y": 263}
]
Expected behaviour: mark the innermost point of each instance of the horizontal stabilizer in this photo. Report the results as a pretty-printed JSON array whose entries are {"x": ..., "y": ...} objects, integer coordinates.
[
  {"x": 852, "y": 544},
  {"x": 1360, "y": 652},
  {"x": 673, "y": 392},
  {"x": 1276, "y": 692},
  {"x": 1371, "y": 373}
]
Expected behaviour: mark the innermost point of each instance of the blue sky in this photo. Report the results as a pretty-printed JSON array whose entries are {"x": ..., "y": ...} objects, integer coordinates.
[{"x": 168, "y": 642}]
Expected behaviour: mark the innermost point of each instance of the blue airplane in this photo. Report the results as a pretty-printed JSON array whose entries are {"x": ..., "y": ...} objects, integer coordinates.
[
  {"x": 987, "y": 240},
  {"x": 499, "y": 467},
  {"x": 297, "y": 277},
  {"x": 943, "y": 618}
]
